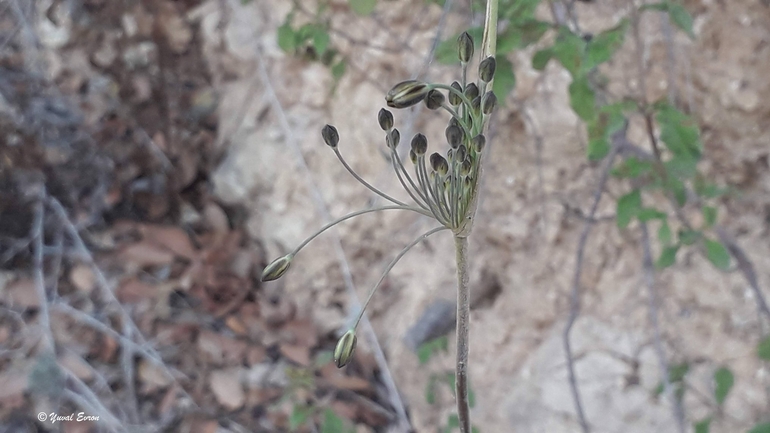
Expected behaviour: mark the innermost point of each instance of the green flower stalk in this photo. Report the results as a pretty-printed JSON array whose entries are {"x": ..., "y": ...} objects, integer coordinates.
[{"x": 443, "y": 187}]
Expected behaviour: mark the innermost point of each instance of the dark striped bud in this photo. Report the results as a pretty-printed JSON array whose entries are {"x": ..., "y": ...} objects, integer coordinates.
[
  {"x": 471, "y": 91},
  {"x": 277, "y": 268},
  {"x": 488, "y": 102},
  {"x": 461, "y": 152},
  {"x": 465, "y": 169},
  {"x": 385, "y": 118},
  {"x": 393, "y": 138},
  {"x": 478, "y": 143},
  {"x": 343, "y": 352},
  {"x": 454, "y": 136},
  {"x": 465, "y": 47},
  {"x": 330, "y": 136},
  {"x": 476, "y": 104},
  {"x": 454, "y": 98},
  {"x": 412, "y": 156},
  {"x": 419, "y": 144},
  {"x": 434, "y": 100},
  {"x": 406, "y": 93},
  {"x": 487, "y": 69},
  {"x": 439, "y": 164}
]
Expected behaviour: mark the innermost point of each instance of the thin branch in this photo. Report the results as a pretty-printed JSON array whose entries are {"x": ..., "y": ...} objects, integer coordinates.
[
  {"x": 575, "y": 294},
  {"x": 746, "y": 267},
  {"x": 39, "y": 275},
  {"x": 649, "y": 280}
]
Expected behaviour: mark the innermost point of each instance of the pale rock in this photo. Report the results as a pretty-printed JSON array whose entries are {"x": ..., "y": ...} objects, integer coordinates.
[{"x": 227, "y": 388}]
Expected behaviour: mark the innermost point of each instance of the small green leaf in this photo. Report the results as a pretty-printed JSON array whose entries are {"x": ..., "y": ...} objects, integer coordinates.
[
  {"x": 569, "y": 49},
  {"x": 703, "y": 426},
  {"x": 689, "y": 237},
  {"x": 678, "y": 131},
  {"x": 709, "y": 215},
  {"x": 541, "y": 58},
  {"x": 667, "y": 257},
  {"x": 531, "y": 31},
  {"x": 338, "y": 70},
  {"x": 633, "y": 167},
  {"x": 628, "y": 206},
  {"x": 432, "y": 347},
  {"x": 287, "y": 38},
  {"x": 331, "y": 423},
  {"x": 681, "y": 166},
  {"x": 677, "y": 189},
  {"x": 664, "y": 233},
  {"x": 452, "y": 422},
  {"x": 763, "y": 349},
  {"x": 363, "y": 7},
  {"x": 648, "y": 213},
  {"x": 430, "y": 389},
  {"x": 677, "y": 372},
  {"x": 597, "y": 149},
  {"x": 299, "y": 416},
  {"x": 582, "y": 98},
  {"x": 761, "y": 428},
  {"x": 717, "y": 254},
  {"x": 681, "y": 18},
  {"x": 601, "y": 48},
  {"x": 505, "y": 80},
  {"x": 320, "y": 41},
  {"x": 724, "y": 381}
]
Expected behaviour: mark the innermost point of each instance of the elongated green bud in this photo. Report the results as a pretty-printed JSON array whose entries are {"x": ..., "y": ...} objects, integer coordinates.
[
  {"x": 385, "y": 118},
  {"x": 488, "y": 102},
  {"x": 465, "y": 47},
  {"x": 487, "y": 69},
  {"x": 277, "y": 268},
  {"x": 407, "y": 93},
  {"x": 471, "y": 91},
  {"x": 346, "y": 345},
  {"x": 419, "y": 144},
  {"x": 455, "y": 99},
  {"x": 434, "y": 99},
  {"x": 479, "y": 142},
  {"x": 454, "y": 136},
  {"x": 330, "y": 136}
]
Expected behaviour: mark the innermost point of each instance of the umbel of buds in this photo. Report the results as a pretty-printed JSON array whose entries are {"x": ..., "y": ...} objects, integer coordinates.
[{"x": 346, "y": 345}]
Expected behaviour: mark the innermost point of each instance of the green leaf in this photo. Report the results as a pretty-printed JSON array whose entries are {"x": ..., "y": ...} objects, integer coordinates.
[
  {"x": 681, "y": 166},
  {"x": 446, "y": 52},
  {"x": 569, "y": 49},
  {"x": 338, "y": 70},
  {"x": 452, "y": 422},
  {"x": 531, "y": 31},
  {"x": 709, "y": 215},
  {"x": 689, "y": 237},
  {"x": 597, "y": 149},
  {"x": 703, "y": 426},
  {"x": 432, "y": 347},
  {"x": 601, "y": 48},
  {"x": 667, "y": 257},
  {"x": 582, "y": 98},
  {"x": 287, "y": 38},
  {"x": 430, "y": 389},
  {"x": 648, "y": 213},
  {"x": 505, "y": 80},
  {"x": 299, "y": 416},
  {"x": 706, "y": 189},
  {"x": 763, "y": 349},
  {"x": 609, "y": 120},
  {"x": 362, "y": 7},
  {"x": 717, "y": 254},
  {"x": 761, "y": 428},
  {"x": 632, "y": 168},
  {"x": 331, "y": 423},
  {"x": 628, "y": 206},
  {"x": 676, "y": 187},
  {"x": 664, "y": 233},
  {"x": 678, "y": 131},
  {"x": 541, "y": 58},
  {"x": 677, "y": 372},
  {"x": 681, "y": 18},
  {"x": 724, "y": 381},
  {"x": 320, "y": 41}
]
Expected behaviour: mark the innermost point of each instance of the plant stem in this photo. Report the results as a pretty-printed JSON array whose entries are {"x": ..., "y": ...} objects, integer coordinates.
[{"x": 463, "y": 328}]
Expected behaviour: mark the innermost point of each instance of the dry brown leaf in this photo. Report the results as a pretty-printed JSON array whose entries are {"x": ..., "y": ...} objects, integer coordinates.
[
  {"x": 13, "y": 383},
  {"x": 173, "y": 239},
  {"x": 174, "y": 27},
  {"x": 151, "y": 377},
  {"x": 236, "y": 325},
  {"x": 297, "y": 353},
  {"x": 227, "y": 388},
  {"x": 345, "y": 410},
  {"x": 83, "y": 278},
  {"x": 334, "y": 377},
  {"x": 146, "y": 253},
  {"x": 303, "y": 332},
  {"x": 76, "y": 365},
  {"x": 255, "y": 355},
  {"x": 21, "y": 294},
  {"x": 220, "y": 349},
  {"x": 134, "y": 290},
  {"x": 216, "y": 218}
]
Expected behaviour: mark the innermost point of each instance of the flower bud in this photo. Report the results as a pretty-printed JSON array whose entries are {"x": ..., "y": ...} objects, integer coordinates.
[
  {"x": 393, "y": 138},
  {"x": 465, "y": 47},
  {"x": 346, "y": 345},
  {"x": 471, "y": 91},
  {"x": 454, "y": 136},
  {"x": 488, "y": 102},
  {"x": 330, "y": 136},
  {"x": 385, "y": 118},
  {"x": 487, "y": 69},
  {"x": 439, "y": 164},
  {"x": 465, "y": 169},
  {"x": 419, "y": 144},
  {"x": 434, "y": 100},
  {"x": 476, "y": 104},
  {"x": 406, "y": 93},
  {"x": 460, "y": 153},
  {"x": 455, "y": 99},
  {"x": 277, "y": 268},
  {"x": 412, "y": 156},
  {"x": 479, "y": 142}
]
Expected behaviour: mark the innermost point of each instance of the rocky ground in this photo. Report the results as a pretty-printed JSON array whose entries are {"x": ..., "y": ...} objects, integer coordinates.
[{"x": 180, "y": 151}]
